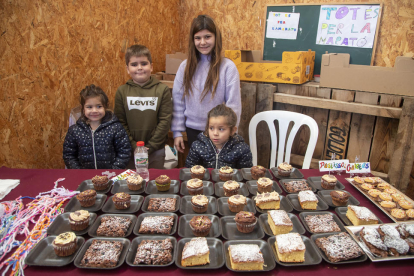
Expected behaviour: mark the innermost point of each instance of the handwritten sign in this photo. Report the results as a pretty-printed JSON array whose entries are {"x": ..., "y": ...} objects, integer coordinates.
[
  {"x": 282, "y": 25},
  {"x": 348, "y": 26},
  {"x": 333, "y": 165},
  {"x": 364, "y": 167}
]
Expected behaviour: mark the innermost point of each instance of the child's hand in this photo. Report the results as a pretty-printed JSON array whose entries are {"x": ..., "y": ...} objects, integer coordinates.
[{"x": 179, "y": 144}]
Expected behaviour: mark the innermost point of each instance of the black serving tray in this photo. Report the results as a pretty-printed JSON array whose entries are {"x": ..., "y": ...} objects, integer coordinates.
[
  {"x": 295, "y": 174},
  {"x": 134, "y": 247},
  {"x": 223, "y": 206},
  {"x": 136, "y": 202},
  {"x": 293, "y": 198},
  {"x": 184, "y": 229},
  {"x": 247, "y": 174},
  {"x": 144, "y": 215},
  {"x": 208, "y": 188},
  {"x": 88, "y": 185},
  {"x": 252, "y": 187},
  {"x": 121, "y": 186},
  {"x": 151, "y": 188},
  {"x": 284, "y": 205},
  {"x": 230, "y": 232},
  {"x": 216, "y": 254},
  {"x": 237, "y": 176},
  {"x": 326, "y": 196},
  {"x": 312, "y": 256},
  {"x": 361, "y": 258},
  {"x": 297, "y": 225},
  {"x": 186, "y": 206},
  {"x": 341, "y": 212},
  {"x": 218, "y": 188},
  {"x": 74, "y": 205},
  {"x": 316, "y": 181},
  {"x": 283, "y": 181},
  {"x": 185, "y": 174},
  {"x": 125, "y": 248},
  {"x": 269, "y": 263},
  {"x": 43, "y": 253},
  {"x": 147, "y": 198},
  {"x": 61, "y": 225},
  {"x": 94, "y": 227},
  {"x": 302, "y": 216}
]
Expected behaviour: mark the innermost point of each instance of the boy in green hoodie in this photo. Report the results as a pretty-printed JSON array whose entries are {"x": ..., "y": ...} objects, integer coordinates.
[{"x": 143, "y": 106}]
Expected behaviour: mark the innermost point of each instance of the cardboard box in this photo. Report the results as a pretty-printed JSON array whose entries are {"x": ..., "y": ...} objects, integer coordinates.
[
  {"x": 336, "y": 72},
  {"x": 295, "y": 67},
  {"x": 173, "y": 61}
]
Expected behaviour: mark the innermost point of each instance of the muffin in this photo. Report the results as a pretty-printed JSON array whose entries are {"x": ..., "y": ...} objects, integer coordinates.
[
  {"x": 237, "y": 203},
  {"x": 328, "y": 182},
  {"x": 374, "y": 194},
  {"x": 339, "y": 198},
  {"x": 87, "y": 198},
  {"x": 388, "y": 205},
  {"x": 257, "y": 172},
  {"x": 245, "y": 221},
  {"x": 65, "y": 244},
  {"x": 199, "y": 203},
  {"x": 358, "y": 180},
  {"x": 134, "y": 182},
  {"x": 398, "y": 214},
  {"x": 231, "y": 187},
  {"x": 121, "y": 201},
  {"x": 284, "y": 169},
  {"x": 163, "y": 183},
  {"x": 226, "y": 173},
  {"x": 384, "y": 197},
  {"x": 100, "y": 182},
  {"x": 197, "y": 172},
  {"x": 195, "y": 186},
  {"x": 264, "y": 185},
  {"x": 200, "y": 225},
  {"x": 79, "y": 220},
  {"x": 405, "y": 204}
]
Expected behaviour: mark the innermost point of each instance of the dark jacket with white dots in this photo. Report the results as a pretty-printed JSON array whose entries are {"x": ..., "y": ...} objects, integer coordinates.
[
  {"x": 107, "y": 147},
  {"x": 235, "y": 153}
]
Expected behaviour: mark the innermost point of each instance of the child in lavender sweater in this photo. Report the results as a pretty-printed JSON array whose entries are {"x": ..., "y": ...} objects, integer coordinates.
[{"x": 204, "y": 80}]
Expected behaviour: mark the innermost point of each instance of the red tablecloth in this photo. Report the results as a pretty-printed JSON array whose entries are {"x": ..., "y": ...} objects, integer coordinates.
[{"x": 34, "y": 181}]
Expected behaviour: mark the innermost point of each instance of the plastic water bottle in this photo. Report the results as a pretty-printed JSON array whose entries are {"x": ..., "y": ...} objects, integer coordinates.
[{"x": 141, "y": 160}]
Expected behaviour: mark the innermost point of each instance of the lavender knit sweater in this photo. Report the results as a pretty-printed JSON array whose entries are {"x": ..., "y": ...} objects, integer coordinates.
[{"x": 190, "y": 112}]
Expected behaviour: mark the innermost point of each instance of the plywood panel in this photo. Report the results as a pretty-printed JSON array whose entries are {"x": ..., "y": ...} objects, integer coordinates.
[{"x": 50, "y": 50}]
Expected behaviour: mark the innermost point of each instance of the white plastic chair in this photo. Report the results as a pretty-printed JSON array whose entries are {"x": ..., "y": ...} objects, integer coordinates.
[{"x": 284, "y": 118}]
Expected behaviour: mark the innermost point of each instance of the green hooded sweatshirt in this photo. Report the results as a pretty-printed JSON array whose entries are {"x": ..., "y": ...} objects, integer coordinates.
[{"x": 145, "y": 112}]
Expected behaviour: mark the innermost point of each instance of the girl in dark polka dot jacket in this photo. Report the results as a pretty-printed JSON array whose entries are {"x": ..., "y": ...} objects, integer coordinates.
[
  {"x": 97, "y": 140},
  {"x": 219, "y": 145}
]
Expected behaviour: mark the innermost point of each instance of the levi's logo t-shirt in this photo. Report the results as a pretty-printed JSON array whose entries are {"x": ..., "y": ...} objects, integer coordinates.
[{"x": 142, "y": 103}]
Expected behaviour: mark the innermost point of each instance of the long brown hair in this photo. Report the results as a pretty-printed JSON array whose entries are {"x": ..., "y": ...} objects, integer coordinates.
[{"x": 203, "y": 22}]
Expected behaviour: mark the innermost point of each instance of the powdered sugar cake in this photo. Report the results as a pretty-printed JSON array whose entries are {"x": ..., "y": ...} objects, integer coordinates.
[
  {"x": 195, "y": 252},
  {"x": 246, "y": 257},
  {"x": 162, "y": 204},
  {"x": 307, "y": 200},
  {"x": 279, "y": 222},
  {"x": 290, "y": 248},
  {"x": 339, "y": 247},
  {"x": 156, "y": 225},
  {"x": 102, "y": 253},
  {"x": 268, "y": 200},
  {"x": 322, "y": 223},
  {"x": 113, "y": 226},
  {"x": 360, "y": 215}
]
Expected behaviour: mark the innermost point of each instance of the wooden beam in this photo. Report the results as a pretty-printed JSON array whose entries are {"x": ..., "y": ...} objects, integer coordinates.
[
  {"x": 403, "y": 158},
  {"x": 170, "y": 84},
  {"x": 382, "y": 111}
]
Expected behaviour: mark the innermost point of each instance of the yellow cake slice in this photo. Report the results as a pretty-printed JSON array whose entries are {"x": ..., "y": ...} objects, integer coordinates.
[
  {"x": 290, "y": 248},
  {"x": 246, "y": 257},
  {"x": 307, "y": 200},
  {"x": 279, "y": 222},
  {"x": 361, "y": 215},
  {"x": 196, "y": 252},
  {"x": 268, "y": 201}
]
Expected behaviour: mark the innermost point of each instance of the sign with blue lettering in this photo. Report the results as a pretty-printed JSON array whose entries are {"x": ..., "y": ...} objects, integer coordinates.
[
  {"x": 282, "y": 25},
  {"x": 348, "y": 25}
]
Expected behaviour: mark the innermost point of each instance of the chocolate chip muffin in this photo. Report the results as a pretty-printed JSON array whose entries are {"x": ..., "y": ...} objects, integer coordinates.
[
  {"x": 245, "y": 221},
  {"x": 200, "y": 225},
  {"x": 87, "y": 198},
  {"x": 121, "y": 201},
  {"x": 100, "y": 182}
]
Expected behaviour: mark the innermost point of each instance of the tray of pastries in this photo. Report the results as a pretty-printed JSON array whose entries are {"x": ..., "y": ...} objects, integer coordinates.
[
  {"x": 395, "y": 204},
  {"x": 385, "y": 242}
]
